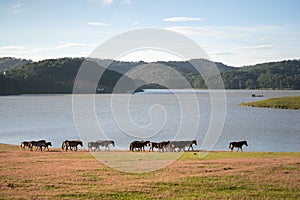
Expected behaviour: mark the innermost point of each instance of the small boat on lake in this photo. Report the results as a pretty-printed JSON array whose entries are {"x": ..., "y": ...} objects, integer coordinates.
[{"x": 257, "y": 95}]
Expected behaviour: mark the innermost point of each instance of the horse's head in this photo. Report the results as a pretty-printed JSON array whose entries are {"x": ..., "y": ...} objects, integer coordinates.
[
  {"x": 245, "y": 142},
  {"x": 195, "y": 142},
  {"x": 113, "y": 143},
  {"x": 80, "y": 143},
  {"x": 146, "y": 143},
  {"x": 50, "y": 144}
]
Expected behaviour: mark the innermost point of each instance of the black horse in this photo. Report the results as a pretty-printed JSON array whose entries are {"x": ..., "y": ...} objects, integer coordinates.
[
  {"x": 72, "y": 144},
  {"x": 138, "y": 145},
  {"x": 238, "y": 145}
]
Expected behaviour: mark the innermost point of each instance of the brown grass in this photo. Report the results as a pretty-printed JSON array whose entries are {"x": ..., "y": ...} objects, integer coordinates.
[{"x": 78, "y": 175}]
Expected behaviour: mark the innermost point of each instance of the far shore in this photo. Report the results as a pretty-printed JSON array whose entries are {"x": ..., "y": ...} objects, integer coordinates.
[{"x": 278, "y": 103}]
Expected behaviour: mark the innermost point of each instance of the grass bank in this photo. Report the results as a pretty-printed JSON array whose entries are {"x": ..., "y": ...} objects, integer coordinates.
[
  {"x": 282, "y": 103},
  {"x": 219, "y": 175}
]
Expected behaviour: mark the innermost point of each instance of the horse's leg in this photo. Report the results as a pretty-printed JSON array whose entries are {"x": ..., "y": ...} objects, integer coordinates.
[{"x": 241, "y": 149}]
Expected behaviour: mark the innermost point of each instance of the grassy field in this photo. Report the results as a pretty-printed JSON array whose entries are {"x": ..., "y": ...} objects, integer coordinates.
[
  {"x": 78, "y": 175},
  {"x": 282, "y": 103}
]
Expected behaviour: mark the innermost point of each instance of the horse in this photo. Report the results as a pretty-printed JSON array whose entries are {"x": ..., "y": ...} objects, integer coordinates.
[
  {"x": 153, "y": 145},
  {"x": 71, "y": 144},
  {"x": 181, "y": 145},
  {"x": 238, "y": 145},
  {"x": 24, "y": 144},
  {"x": 105, "y": 143},
  {"x": 46, "y": 145},
  {"x": 38, "y": 144},
  {"x": 93, "y": 146},
  {"x": 163, "y": 146},
  {"x": 138, "y": 145}
]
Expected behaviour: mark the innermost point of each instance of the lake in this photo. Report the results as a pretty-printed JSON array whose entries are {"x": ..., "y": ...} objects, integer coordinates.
[{"x": 156, "y": 115}]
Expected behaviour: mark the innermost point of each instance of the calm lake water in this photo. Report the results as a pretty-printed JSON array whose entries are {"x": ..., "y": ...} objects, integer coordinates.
[{"x": 155, "y": 115}]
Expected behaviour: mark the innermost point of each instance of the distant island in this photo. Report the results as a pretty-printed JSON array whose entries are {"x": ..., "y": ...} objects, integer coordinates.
[
  {"x": 281, "y": 103},
  {"x": 19, "y": 76}
]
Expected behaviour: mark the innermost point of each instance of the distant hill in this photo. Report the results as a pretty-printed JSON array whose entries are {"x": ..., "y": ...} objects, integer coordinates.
[
  {"x": 58, "y": 75},
  {"x": 8, "y": 63}
]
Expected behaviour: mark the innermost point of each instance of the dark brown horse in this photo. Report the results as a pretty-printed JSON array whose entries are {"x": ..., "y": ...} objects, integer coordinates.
[
  {"x": 163, "y": 146},
  {"x": 71, "y": 144},
  {"x": 138, "y": 145},
  {"x": 238, "y": 145}
]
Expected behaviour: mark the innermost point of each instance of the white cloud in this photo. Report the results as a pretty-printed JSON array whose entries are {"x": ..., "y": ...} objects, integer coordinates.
[
  {"x": 193, "y": 31},
  {"x": 11, "y": 48},
  {"x": 97, "y": 24},
  {"x": 15, "y": 8},
  {"x": 16, "y": 49},
  {"x": 128, "y": 2},
  {"x": 264, "y": 46},
  {"x": 182, "y": 19},
  {"x": 106, "y": 2},
  {"x": 216, "y": 53},
  {"x": 135, "y": 23}
]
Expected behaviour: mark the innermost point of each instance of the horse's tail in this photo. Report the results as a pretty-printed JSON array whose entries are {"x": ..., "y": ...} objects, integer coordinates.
[
  {"x": 230, "y": 145},
  {"x": 131, "y": 147},
  {"x": 63, "y": 145}
]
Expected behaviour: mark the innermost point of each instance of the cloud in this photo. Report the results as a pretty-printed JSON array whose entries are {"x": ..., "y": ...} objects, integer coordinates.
[
  {"x": 73, "y": 44},
  {"x": 97, "y": 24},
  {"x": 193, "y": 31},
  {"x": 216, "y": 53},
  {"x": 182, "y": 19},
  {"x": 265, "y": 46},
  {"x": 15, "y": 8},
  {"x": 16, "y": 49},
  {"x": 107, "y": 2},
  {"x": 128, "y": 2},
  {"x": 11, "y": 48},
  {"x": 135, "y": 23}
]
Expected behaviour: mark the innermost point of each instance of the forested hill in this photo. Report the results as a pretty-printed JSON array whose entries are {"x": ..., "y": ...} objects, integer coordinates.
[
  {"x": 272, "y": 75},
  {"x": 8, "y": 63},
  {"x": 58, "y": 75}
]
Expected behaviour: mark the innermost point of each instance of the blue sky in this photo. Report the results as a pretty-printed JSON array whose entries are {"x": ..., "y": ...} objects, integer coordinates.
[{"x": 235, "y": 32}]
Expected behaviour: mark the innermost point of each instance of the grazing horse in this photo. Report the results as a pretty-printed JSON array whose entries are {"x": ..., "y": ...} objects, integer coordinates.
[
  {"x": 181, "y": 145},
  {"x": 72, "y": 144},
  {"x": 163, "y": 146},
  {"x": 38, "y": 144},
  {"x": 24, "y": 144},
  {"x": 238, "y": 145},
  {"x": 138, "y": 145}
]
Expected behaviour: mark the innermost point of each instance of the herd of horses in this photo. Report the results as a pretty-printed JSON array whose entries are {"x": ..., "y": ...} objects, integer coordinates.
[{"x": 164, "y": 146}]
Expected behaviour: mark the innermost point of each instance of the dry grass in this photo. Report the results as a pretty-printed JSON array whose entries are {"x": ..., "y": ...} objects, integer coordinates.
[{"x": 78, "y": 175}]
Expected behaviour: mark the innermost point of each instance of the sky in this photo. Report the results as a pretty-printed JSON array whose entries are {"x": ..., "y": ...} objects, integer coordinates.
[{"x": 235, "y": 32}]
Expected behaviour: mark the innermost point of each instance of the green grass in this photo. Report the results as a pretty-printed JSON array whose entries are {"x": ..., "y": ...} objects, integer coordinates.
[{"x": 281, "y": 103}]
